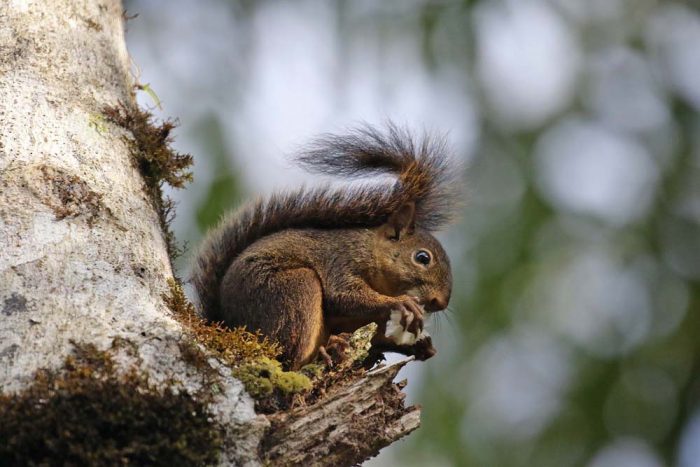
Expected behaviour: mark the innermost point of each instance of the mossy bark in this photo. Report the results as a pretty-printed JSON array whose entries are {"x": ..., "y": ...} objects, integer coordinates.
[{"x": 84, "y": 259}]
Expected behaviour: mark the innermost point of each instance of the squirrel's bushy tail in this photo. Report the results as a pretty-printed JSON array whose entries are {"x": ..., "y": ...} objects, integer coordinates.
[{"x": 427, "y": 176}]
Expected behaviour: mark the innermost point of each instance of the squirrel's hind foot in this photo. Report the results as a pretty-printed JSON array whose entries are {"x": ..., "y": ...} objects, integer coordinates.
[{"x": 335, "y": 350}]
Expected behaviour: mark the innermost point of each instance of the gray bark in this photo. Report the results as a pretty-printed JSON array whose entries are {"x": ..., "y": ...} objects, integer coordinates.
[{"x": 83, "y": 256}]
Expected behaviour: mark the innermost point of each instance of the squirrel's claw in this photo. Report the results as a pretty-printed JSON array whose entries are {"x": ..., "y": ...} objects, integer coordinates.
[
  {"x": 335, "y": 349},
  {"x": 411, "y": 316},
  {"x": 326, "y": 358}
]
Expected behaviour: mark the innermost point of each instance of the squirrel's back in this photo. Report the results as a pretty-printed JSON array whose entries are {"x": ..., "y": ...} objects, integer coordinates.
[{"x": 426, "y": 176}]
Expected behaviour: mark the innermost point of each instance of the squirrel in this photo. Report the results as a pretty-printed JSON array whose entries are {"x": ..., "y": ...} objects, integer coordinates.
[{"x": 307, "y": 265}]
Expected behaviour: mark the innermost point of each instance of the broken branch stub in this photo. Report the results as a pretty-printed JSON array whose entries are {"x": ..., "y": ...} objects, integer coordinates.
[{"x": 347, "y": 426}]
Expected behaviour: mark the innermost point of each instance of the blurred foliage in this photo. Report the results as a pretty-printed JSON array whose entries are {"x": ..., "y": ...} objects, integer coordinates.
[
  {"x": 224, "y": 190},
  {"x": 647, "y": 393}
]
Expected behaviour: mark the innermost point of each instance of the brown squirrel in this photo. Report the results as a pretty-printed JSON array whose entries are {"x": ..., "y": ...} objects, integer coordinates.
[{"x": 304, "y": 266}]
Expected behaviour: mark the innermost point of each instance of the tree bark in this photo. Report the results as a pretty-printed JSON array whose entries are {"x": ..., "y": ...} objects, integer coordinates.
[
  {"x": 353, "y": 422},
  {"x": 83, "y": 256}
]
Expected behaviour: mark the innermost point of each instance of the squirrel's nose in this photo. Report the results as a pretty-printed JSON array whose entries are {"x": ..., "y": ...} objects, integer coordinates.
[{"x": 436, "y": 304}]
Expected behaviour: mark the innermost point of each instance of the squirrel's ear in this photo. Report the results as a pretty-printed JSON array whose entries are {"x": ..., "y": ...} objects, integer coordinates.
[{"x": 401, "y": 222}]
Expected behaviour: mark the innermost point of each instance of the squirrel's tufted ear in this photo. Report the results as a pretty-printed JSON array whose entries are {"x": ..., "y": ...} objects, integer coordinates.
[{"x": 401, "y": 222}]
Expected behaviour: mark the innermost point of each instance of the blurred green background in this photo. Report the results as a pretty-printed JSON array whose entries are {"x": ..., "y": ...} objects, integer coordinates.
[{"x": 574, "y": 332}]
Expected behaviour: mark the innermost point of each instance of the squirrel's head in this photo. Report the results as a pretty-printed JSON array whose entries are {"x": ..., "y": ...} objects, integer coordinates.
[{"x": 410, "y": 261}]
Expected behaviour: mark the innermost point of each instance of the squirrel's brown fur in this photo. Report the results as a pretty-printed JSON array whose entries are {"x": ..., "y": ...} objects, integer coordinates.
[{"x": 303, "y": 265}]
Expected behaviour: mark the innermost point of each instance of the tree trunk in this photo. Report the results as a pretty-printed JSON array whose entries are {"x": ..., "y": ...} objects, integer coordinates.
[{"x": 84, "y": 261}]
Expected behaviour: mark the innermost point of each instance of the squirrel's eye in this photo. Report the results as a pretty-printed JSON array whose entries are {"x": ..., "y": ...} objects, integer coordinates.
[{"x": 422, "y": 257}]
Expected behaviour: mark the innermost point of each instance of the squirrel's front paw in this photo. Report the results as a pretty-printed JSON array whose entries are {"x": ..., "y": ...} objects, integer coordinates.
[
  {"x": 405, "y": 324},
  {"x": 411, "y": 315}
]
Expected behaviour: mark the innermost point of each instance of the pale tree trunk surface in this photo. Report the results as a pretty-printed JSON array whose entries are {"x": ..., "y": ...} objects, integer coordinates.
[{"x": 82, "y": 255}]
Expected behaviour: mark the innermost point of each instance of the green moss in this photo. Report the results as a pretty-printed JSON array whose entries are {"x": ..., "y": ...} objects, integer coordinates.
[
  {"x": 256, "y": 377},
  {"x": 264, "y": 377},
  {"x": 313, "y": 370},
  {"x": 291, "y": 382},
  {"x": 251, "y": 356},
  {"x": 88, "y": 414},
  {"x": 157, "y": 161}
]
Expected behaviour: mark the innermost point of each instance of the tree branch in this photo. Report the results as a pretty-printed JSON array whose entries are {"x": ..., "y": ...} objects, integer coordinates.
[{"x": 350, "y": 424}]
